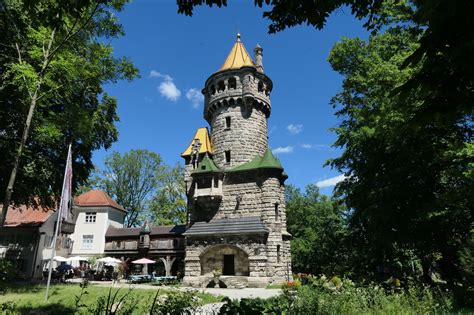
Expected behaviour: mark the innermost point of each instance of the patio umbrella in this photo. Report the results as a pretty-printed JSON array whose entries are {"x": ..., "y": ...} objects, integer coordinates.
[
  {"x": 109, "y": 260},
  {"x": 143, "y": 261},
  {"x": 77, "y": 258},
  {"x": 59, "y": 258}
]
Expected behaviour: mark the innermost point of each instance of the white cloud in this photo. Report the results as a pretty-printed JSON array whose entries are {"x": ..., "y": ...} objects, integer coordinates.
[
  {"x": 167, "y": 88},
  {"x": 330, "y": 181},
  {"x": 195, "y": 96},
  {"x": 156, "y": 74},
  {"x": 308, "y": 146},
  {"x": 280, "y": 150},
  {"x": 294, "y": 129}
]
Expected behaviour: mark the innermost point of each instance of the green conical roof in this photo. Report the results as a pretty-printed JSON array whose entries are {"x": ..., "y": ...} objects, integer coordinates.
[
  {"x": 268, "y": 160},
  {"x": 206, "y": 166}
]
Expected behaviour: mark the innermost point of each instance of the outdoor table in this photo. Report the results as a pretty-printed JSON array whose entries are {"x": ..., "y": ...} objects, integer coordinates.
[{"x": 139, "y": 278}]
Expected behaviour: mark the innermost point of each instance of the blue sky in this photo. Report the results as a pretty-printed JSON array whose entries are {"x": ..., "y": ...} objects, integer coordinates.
[{"x": 176, "y": 54}]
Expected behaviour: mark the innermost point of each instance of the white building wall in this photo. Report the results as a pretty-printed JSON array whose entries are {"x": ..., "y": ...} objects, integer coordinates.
[{"x": 105, "y": 216}]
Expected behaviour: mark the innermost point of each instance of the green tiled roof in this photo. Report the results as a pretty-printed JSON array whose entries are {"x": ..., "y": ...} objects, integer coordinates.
[
  {"x": 206, "y": 166},
  {"x": 268, "y": 160}
]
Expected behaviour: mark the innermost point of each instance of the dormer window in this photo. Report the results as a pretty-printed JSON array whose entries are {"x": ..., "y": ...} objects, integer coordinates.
[{"x": 91, "y": 217}]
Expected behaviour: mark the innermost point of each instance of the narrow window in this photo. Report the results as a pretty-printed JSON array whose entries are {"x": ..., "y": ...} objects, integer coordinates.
[
  {"x": 227, "y": 156},
  {"x": 216, "y": 182},
  {"x": 278, "y": 253},
  {"x": 220, "y": 86},
  {"x": 227, "y": 122},
  {"x": 232, "y": 83},
  {"x": 277, "y": 211}
]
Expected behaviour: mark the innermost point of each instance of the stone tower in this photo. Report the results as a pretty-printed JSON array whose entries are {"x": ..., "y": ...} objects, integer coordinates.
[{"x": 235, "y": 186}]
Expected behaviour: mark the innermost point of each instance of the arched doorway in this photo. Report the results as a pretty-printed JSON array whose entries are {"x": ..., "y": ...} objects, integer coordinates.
[{"x": 230, "y": 260}]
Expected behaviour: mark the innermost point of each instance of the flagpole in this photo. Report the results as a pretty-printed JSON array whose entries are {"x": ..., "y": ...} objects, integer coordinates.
[{"x": 58, "y": 223}]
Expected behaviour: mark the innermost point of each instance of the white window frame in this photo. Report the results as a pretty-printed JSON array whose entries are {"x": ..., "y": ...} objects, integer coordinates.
[
  {"x": 87, "y": 241},
  {"x": 91, "y": 217}
]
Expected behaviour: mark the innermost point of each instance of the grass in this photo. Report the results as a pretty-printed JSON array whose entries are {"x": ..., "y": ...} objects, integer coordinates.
[{"x": 62, "y": 297}]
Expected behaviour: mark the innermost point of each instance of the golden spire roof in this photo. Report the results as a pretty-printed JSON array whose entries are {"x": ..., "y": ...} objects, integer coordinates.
[
  {"x": 238, "y": 57},
  {"x": 205, "y": 144}
]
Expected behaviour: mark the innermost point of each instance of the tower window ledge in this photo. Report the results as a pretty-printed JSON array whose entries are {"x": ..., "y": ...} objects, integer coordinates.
[{"x": 208, "y": 192}]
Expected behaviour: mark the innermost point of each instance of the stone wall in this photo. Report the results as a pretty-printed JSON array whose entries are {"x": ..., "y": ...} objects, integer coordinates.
[
  {"x": 253, "y": 246},
  {"x": 213, "y": 259},
  {"x": 245, "y": 139},
  {"x": 259, "y": 193}
]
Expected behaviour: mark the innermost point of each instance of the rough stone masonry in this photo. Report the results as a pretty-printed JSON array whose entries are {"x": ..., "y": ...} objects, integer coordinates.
[{"x": 236, "y": 231}]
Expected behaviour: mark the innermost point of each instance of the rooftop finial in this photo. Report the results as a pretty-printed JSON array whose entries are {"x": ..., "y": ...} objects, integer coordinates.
[{"x": 238, "y": 37}]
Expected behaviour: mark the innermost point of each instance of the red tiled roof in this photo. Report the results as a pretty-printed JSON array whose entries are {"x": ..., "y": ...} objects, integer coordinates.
[
  {"x": 96, "y": 198},
  {"x": 27, "y": 216}
]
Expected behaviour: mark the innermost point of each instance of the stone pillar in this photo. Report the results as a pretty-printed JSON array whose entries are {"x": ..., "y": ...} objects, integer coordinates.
[{"x": 168, "y": 262}]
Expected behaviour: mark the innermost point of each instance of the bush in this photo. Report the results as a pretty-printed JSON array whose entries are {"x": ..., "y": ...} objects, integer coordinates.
[
  {"x": 342, "y": 296},
  {"x": 8, "y": 271}
]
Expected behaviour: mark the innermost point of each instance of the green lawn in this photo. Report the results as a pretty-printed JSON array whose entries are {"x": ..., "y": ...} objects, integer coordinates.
[{"x": 62, "y": 298}]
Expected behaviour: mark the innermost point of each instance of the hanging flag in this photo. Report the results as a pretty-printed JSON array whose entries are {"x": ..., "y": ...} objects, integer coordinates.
[{"x": 66, "y": 194}]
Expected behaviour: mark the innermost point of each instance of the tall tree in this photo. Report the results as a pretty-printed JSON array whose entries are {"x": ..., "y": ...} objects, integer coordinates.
[
  {"x": 132, "y": 179},
  {"x": 318, "y": 226},
  {"x": 407, "y": 184},
  {"x": 53, "y": 67},
  {"x": 169, "y": 203}
]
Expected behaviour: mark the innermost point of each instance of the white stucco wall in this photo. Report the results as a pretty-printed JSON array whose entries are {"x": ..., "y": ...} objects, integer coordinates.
[{"x": 105, "y": 216}]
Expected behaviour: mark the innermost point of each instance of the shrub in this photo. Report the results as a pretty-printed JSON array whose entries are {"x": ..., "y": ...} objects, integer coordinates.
[{"x": 7, "y": 269}]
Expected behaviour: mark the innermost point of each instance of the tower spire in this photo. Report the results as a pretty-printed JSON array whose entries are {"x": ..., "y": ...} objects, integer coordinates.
[{"x": 238, "y": 57}]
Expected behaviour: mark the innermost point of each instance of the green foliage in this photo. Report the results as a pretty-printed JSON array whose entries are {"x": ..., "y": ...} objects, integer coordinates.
[
  {"x": 175, "y": 303},
  {"x": 169, "y": 203},
  {"x": 254, "y": 306},
  {"x": 318, "y": 226},
  {"x": 145, "y": 186},
  {"x": 8, "y": 272},
  {"x": 406, "y": 185},
  {"x": 52, "y": 59},
  {"x": 342, "y": 296}
]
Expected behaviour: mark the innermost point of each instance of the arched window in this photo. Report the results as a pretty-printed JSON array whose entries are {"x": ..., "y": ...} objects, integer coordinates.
[
  {"x": 260, "y": 86},
  {"x": 232, "y": 83},
  {"x": 213, "y": 90},
  {"x": 220, "y": 86}
]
